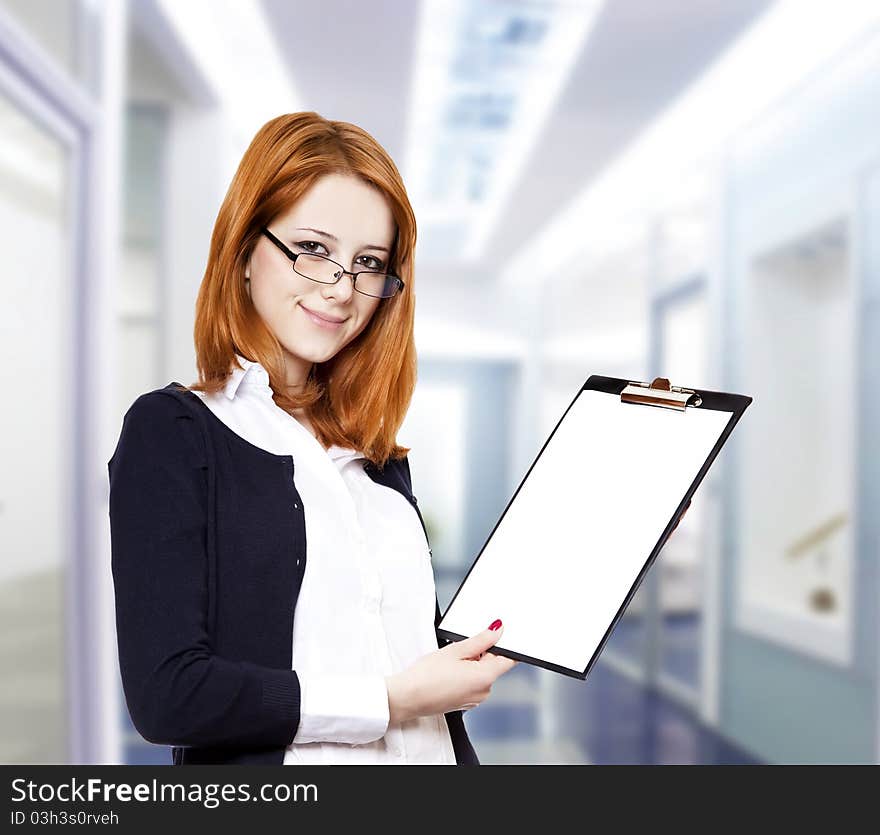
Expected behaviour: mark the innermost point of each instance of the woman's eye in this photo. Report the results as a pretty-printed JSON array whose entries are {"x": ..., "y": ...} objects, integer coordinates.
[
  {"x": 375, "y": 265},
  {"x": 308, "y": 246}
]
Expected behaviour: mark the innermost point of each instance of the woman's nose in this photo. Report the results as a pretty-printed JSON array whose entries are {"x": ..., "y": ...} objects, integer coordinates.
[{"x": 343, "y": 289}]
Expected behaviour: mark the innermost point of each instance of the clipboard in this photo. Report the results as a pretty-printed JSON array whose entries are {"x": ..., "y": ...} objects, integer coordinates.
[{"x": 589, "y": 518}]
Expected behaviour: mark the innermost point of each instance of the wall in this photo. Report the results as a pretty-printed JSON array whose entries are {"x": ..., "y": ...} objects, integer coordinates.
[{"x": 786, "y": 704}]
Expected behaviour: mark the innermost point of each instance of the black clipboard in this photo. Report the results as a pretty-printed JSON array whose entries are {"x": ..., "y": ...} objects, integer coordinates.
[{"x": 667, "y": 455}]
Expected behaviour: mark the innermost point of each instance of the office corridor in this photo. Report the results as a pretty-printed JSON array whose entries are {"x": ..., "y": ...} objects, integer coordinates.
[
  {"x": 687, "y": 190},
  {"x": 605, "y": 720}
]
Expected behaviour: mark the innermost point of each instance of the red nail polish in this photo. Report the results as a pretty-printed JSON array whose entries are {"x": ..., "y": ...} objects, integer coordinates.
[{"x": 496, "y": 624}]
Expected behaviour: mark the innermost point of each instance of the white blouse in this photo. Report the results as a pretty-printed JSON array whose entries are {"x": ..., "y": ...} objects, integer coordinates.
[{"x": 366, "y": 606}]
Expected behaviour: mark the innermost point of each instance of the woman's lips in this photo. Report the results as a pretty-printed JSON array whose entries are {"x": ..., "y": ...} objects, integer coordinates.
[{"x": 321, "y": 323}]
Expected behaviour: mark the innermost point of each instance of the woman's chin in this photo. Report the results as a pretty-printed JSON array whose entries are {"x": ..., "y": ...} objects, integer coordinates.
[{"x": 309, "y": 352}]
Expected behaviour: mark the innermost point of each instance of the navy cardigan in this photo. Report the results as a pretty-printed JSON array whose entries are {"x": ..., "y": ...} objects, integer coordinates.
[{"x": 208, "y": 552}]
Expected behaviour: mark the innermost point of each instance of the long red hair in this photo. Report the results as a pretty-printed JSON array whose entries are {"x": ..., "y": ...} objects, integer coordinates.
[{"x": 359, "y": 397}]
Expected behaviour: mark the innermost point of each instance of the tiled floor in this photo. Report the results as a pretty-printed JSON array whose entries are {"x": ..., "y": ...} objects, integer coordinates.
[{"x": 607, "y": 719}]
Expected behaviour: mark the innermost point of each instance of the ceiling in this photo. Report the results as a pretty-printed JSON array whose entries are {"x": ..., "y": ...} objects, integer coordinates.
[{"x": 354, "y": 61}]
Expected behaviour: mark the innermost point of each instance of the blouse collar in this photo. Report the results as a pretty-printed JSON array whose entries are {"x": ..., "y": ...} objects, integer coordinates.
[
  {"x": 252, "y": 375},
  {"x": 252, "y": 372}
]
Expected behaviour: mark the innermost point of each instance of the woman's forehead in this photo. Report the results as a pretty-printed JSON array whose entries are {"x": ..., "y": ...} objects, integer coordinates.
[{"x": 344, "y": 207}]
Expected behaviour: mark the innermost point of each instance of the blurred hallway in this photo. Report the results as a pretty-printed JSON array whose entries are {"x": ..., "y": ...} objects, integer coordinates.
[{"x": 688, "y": 189}]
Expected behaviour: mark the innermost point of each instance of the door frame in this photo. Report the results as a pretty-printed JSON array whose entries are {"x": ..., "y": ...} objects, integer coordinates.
[
  {"x": 644, "y": 666},
  {"x": 687, "y": 289}
]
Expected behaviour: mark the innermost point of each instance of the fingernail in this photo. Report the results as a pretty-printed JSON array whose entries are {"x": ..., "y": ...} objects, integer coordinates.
[{"x": 496, "y": 624}]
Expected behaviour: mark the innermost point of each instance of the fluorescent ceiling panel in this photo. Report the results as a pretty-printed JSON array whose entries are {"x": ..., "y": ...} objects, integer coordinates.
[{"x": 487, "y": 76}]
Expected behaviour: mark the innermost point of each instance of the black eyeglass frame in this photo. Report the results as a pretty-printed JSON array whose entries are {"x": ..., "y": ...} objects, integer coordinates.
[{"x": 354, "y": 276}]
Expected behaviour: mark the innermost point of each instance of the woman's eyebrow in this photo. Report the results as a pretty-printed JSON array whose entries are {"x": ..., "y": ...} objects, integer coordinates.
[{"x": 336, "y": 240}]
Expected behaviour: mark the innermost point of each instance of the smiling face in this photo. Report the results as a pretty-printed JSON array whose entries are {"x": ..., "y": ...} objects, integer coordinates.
[{"x": 346, "y": 219}]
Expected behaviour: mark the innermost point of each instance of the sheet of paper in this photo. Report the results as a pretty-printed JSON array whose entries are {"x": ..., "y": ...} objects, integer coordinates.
[{"x": 568, "y": 549}]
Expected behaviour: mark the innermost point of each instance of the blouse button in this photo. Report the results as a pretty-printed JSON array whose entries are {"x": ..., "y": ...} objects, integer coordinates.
[{"x": 295, "y": 506}]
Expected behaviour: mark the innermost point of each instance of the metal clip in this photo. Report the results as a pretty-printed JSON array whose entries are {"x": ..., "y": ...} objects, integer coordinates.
[{"x": 659, "y": 393}]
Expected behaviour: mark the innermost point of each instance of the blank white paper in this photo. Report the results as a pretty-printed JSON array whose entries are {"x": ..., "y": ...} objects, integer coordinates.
[{"x": 568, "y": 549}]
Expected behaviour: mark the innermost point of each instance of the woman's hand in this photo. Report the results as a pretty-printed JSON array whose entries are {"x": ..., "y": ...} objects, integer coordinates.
[{"x": 457, "y": 677}]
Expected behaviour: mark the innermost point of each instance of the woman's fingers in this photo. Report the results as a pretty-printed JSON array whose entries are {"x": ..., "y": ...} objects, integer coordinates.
[
  {"x": 506, "y": 664},
  {"x": 498, "y": 664}
]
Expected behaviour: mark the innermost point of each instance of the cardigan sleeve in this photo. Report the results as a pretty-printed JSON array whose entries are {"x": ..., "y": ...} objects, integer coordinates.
[{"x": 178, "y": 691}]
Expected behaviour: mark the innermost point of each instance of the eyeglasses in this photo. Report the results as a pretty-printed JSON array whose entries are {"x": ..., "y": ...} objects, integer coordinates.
[{"x": 321, "y": 269}]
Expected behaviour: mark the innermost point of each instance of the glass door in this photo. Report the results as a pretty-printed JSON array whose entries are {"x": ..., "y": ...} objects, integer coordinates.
[
  {"x": 49, "y": 632},
  {"x": 37, "y": 158}
]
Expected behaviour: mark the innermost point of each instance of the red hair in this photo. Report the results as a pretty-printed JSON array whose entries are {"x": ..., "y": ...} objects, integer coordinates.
[{"x": 359, "y": 397}]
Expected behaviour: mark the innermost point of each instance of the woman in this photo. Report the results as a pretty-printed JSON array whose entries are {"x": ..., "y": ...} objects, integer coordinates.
[{"x": 275, "y": 600}]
